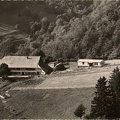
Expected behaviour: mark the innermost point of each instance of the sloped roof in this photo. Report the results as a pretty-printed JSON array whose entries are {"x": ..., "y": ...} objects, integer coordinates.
[
  {"x": 21, "y": 61},
  {"x": 46, "y": 68},
  {"x": 90, "y": 60}
]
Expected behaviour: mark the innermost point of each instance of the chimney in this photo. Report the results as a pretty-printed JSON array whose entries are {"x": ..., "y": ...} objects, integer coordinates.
[{"x": 28, "y": 57}]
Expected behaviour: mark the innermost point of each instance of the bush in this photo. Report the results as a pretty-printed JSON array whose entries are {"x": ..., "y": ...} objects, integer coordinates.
[
  {"x": 4, "y": 70},
  {"x": 59, "y": 67},
  {"x": 35, "y": 44},
  {"x": 87, "y": 117},
  {"x": 80, "y": 111}
]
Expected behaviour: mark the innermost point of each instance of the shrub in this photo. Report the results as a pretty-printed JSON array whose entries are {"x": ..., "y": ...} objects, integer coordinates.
[
  {"x": 80, "y": 111},
  {"x": 4, "y": 70}
]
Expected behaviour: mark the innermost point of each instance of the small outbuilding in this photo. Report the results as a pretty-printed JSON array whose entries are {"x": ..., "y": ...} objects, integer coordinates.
[{"x": 90, "y": 63}]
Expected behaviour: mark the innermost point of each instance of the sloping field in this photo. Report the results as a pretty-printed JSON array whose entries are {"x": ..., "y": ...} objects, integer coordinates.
[
  {"x": 76, "y": 81},
  {"x": 6, "y": 29},
  {"x": 47, "y": 104},
  {"x": 113, "y": 62}
]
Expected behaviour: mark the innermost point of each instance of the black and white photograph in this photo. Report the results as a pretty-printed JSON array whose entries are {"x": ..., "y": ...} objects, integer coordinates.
[{"x": 59, "y": 59}]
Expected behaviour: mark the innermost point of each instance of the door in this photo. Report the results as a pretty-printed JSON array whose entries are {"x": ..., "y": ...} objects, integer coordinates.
[{"x": 90, "y": 64}]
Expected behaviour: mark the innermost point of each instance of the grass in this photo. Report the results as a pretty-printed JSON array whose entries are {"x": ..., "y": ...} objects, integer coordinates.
[
  {"x": 28, "y": 82},
  {"x": 6, "y": 29},
  {"x": 13, "y": 18},
  {"x": 73, "y": 81},
  {"x": 21, "y": 82},
  {"x": 48, "y": 104},
  {"x": 74, "y": 70}
]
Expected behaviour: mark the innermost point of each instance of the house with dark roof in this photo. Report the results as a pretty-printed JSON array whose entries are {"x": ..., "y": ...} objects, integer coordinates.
[{"x": 26, "y": 65}]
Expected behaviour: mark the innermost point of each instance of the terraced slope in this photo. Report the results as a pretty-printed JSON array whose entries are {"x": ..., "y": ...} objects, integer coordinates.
[{"x": 6, "y": 29}]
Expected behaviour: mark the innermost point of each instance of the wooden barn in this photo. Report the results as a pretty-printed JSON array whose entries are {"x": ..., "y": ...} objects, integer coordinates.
[{"x": 25, "y": 65}]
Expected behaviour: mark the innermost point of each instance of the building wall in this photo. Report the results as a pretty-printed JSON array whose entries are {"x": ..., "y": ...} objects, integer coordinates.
[
  {"x": 26, "y": 71},
  {"x": 43, "y": 72},
  {"x": 86, "y": 64},
  {"x": 97, "y": 64},
  {"x": 52, "y": 65},
  {"x": 102, "y": 63}
]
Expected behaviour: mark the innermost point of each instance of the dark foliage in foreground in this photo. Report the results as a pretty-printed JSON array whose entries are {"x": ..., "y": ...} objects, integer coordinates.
[
  {"x": 106, "y": 103},
  {"x": 80, "y": 111},
  {"x": 4, "y": 71}
]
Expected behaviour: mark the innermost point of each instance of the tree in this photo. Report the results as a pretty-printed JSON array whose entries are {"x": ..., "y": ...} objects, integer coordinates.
[
  {"x": 99, "y": 103},
  {"x": 106, "y": 103},
  {"x": 45, "y": 25},
  {"x": 35, "y": 44},
  {"x": 34, "y": 27},
  {"x": 38, "y": 52},
  {"x": 4, "y": 70},
  {"x": 80, "y": 111},
  {"x": 114, "y": 99},
  {"x": 51, "y": 27},
  {"x": 115, "y": 81},
  {"x": 59, "y": 22},
  {"x": 48, "y": 59},
  {"x": 24, "y": 50},
  {"x": 59, "y": 67}
]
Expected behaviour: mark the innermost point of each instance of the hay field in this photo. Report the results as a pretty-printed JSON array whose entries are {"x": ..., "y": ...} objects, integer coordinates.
[{"x": 47, "y": 104}]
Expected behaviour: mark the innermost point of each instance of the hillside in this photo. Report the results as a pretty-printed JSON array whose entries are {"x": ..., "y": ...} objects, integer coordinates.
[
  {"x": 11, "y": 42},
  {"x": 62, "y": 29},
  {"x": 6, "y": 29},
  {"x": 22, "y": 13},
  {"x": 62, "y": 103}
]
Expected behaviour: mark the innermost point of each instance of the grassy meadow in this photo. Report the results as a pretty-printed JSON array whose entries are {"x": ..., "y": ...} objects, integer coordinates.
[{"x": 47, "y": 104}]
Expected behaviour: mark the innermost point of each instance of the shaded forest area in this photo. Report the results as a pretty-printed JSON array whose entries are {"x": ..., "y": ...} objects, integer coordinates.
[{"x": 66, "y": 29}]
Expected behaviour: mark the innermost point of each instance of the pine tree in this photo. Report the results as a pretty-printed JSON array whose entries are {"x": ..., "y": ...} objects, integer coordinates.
[
  {"x": 113, "y": 110},
  {"x": 115, "y": 81},
  {"x": 99, "y": 103},
  {"x": 80, "y": 111},
  {"x": 111, "y": 105},
  {"x": 106, "y": 103}
]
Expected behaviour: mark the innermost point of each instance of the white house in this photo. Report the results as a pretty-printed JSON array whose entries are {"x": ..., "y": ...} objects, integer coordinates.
[
  {"x": 25, "y": 65},
  {"x": 90, "y": 63}
]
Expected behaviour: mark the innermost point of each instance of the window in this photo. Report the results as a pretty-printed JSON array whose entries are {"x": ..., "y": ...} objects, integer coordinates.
[
  {"x": 83, "y": 63},
  {"x": 95, "y": 63},
  {"x": 15, "y": 68},
  {"x": 30, "y": 69},
  {"x": 38, "y": 73}
]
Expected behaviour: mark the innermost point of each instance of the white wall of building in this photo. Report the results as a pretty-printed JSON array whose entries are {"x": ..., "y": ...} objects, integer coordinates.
[{"x": 86, "y": 64}]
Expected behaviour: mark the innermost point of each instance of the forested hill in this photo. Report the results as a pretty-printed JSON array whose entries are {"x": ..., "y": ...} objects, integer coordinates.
[{"x": 82, "y": 28}]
